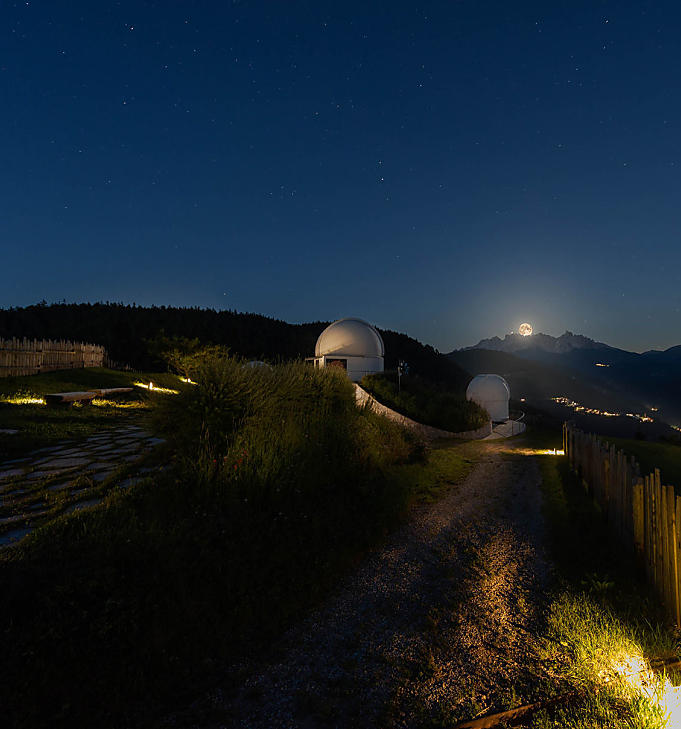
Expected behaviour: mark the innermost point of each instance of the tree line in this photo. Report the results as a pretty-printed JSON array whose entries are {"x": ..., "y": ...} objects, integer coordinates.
[{"x": 138, "y": 335}]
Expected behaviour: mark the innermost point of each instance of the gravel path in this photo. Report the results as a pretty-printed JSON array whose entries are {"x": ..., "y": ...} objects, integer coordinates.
[{"x": 435, "y": 627}]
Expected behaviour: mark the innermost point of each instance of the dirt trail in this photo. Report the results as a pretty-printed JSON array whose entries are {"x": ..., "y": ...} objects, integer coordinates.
[{"x": 436, "y": 626}]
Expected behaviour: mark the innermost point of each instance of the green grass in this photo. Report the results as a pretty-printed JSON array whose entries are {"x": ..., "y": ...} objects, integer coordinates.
[
  {"x": 665, "y": 456},
  {"x": 40, "y": 426},
  {"x": 448, "y": 463},
  {"x": 66, "y": 381},
  {"x": 279, "y": 484},
  {"x": 599, "y": 620}
]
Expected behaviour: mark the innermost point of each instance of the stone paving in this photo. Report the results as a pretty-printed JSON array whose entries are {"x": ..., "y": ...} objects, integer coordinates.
[{"x": 68, "y": 477}]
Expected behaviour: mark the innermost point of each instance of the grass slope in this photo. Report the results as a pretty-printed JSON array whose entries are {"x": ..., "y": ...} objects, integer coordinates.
[
  {"x": 602, "y": 623},
  {"x": 665, "y": 456},
  {"x": 279, "y": 484}
]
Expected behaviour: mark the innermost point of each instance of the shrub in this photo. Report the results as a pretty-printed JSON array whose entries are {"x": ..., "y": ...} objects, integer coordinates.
[
  {"x": 426, "y": 402},
  {"x": 279, "y": 483}
]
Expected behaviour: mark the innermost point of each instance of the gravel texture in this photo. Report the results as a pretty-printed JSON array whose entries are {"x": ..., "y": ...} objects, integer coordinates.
[{"x": 435, "y": 627}]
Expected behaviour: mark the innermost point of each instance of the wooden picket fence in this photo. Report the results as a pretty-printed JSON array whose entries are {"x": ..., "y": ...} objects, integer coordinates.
[
  {"x": 642, "y": 514},
  {"x": 31, "y": 356}
]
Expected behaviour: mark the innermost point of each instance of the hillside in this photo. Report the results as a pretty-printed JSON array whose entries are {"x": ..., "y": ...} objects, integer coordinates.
[
  {"x": 539, "y": 381},
  {"x": 599, "y": 375},
  {"x": 134, "y": 334},
  {"x": 532, "y": 380}
]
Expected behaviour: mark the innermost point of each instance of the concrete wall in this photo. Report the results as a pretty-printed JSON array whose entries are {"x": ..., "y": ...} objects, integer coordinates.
[{"x": 427, "y": 432}]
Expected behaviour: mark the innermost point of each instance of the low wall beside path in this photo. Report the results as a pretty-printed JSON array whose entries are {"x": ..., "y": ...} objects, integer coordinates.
[{"x": 427, "y": 432}]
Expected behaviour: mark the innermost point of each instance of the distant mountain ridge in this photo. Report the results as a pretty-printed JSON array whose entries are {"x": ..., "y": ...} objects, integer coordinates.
[
  {"x": 515, "y": 342},
  {"x": 538, "y": 346}
]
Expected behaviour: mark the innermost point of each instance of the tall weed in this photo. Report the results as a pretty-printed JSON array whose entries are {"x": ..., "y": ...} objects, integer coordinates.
[{"x": 279, "y": 483}]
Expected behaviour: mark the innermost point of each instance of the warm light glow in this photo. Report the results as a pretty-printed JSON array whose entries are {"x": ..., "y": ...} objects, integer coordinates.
[
  {"x": 595, "y": 411},
  {"x": 525, "y": 329},
  {"x": 23, "y": 399},
  {"x": 187, "y": 380},
  {"x": 602, "y": 364},
  {"x": 99, "y": 402},
  {"x": 538, "y": 451},
  {"x": 635, "y": 672},
  {"x": 156, "y": 388}
]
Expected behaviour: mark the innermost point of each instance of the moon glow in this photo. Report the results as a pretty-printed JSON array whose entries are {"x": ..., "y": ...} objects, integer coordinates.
[{"x": 525, "y": 329}]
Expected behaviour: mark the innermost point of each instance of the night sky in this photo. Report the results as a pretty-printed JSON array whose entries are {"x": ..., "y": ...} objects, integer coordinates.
[{"x": 446, "y": 169}]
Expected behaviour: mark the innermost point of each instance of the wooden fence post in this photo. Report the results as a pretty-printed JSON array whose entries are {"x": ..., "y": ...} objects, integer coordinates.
[
  {"x": 639, "y": 521},
  {"x": 640, "y": 511},
  {"x": 672, "y": 555},
  {"x": 28, "y": 357}
]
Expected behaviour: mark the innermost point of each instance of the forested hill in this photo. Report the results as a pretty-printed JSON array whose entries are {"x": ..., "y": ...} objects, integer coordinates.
[{"x": 131, "y": 333}]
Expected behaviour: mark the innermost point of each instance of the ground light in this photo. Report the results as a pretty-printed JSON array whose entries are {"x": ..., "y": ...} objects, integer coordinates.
[
  {"x": 155, "y": 388},
  {"x": 539, "y": 451},
  {"x": 637, "y": 675},
  {"x": 19, "y": 399},
  {"x": 631, "y": 672}
]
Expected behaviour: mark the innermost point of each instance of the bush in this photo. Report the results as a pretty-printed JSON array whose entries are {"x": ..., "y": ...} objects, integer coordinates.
[
  {"x": 279, "y": 483},
  {"x": 426, "y": 402}
]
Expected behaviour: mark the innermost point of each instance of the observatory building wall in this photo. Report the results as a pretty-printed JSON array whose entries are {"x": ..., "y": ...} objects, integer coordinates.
[
  {"x": 492, "y": 393},
  {"x": 352, "y": 345}
]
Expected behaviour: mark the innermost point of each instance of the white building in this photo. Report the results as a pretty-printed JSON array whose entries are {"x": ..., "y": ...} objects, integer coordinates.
[
  {"x": 351, "y": 344},
  {"x": 492, "y": 393}
]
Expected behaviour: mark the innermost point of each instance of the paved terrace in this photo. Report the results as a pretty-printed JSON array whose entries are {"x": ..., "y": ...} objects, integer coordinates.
[{"x": 67, "y": 477}]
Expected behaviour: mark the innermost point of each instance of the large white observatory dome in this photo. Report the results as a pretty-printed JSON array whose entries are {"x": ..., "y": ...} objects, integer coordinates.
[
  {"x": 353, "y": 345},
  {"x": 492, "y": 393},
  {"x": 351, "y": 337}
]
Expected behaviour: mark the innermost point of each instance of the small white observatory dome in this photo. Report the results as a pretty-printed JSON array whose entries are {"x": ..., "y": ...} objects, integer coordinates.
[
  {"x": 492, "y": 393},
  {"x": 353, "y": 345}
]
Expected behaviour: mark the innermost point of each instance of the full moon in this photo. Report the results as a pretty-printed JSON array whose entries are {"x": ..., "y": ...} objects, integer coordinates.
[{"x": 525, "y": 329}]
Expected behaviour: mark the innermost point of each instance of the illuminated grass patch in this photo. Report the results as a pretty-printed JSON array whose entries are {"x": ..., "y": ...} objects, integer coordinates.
[{"x": 604, "y": 632}]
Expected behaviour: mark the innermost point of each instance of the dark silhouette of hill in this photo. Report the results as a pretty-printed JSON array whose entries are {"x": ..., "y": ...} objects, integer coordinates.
[
  {"x": 535, "y": 380},
  {"x": 130, "y": 334},
  {"x": 538, "y": 381},
  {"x": 671, "y": 355},
  {"x": 590, "y": 372},
  {"x": 652, "y": 378}
]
